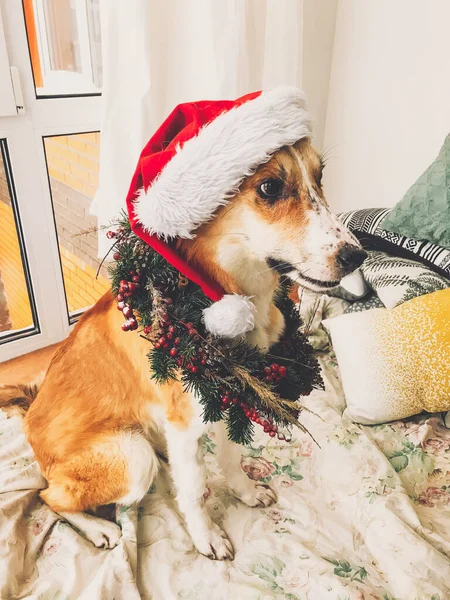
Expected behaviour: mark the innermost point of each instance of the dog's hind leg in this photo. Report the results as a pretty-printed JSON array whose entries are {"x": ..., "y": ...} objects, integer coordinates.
[
  {"x": 100, "y": 532},
  {"x": 119, "y": 469}
]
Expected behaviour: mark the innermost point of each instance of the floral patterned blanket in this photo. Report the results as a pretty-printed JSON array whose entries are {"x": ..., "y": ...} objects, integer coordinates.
[{"x": 365, "y": 516}]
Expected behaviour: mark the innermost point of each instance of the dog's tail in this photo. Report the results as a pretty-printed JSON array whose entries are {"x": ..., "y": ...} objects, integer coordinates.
[{"x": 18, "y": 398}]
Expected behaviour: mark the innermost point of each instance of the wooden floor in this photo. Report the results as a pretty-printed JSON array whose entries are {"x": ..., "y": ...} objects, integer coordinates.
[{"x": 26, "y": 368}]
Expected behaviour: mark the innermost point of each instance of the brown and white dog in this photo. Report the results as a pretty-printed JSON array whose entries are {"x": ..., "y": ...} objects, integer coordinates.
[{"x": 95, "y": 422}]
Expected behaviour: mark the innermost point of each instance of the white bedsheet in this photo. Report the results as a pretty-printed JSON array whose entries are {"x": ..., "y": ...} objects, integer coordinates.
[{"x": 364, "y": 517}]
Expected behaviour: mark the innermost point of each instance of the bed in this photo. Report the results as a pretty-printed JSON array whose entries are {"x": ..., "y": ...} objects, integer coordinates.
[{"x": 363, "y": 515}]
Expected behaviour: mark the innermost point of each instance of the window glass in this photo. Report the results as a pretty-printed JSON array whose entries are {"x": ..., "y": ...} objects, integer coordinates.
[
  {"x": 17, "y": 315},
  {"x": 65, "y": 46},
  {"x": 73, "y": 168}
]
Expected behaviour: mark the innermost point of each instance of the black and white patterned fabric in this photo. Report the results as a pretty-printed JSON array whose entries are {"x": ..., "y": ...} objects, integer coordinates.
[
  {"x": 366, "y": 225},
  {"x": 371, "y": 301}
]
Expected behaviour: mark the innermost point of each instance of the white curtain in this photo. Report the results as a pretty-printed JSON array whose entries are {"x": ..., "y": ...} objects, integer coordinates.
[{"x": 158, "y": 53}]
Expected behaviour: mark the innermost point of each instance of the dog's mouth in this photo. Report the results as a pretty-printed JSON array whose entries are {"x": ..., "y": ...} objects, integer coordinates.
[
  {"x": 317, "y": 282},
  {"x": 286, "y": 268}
]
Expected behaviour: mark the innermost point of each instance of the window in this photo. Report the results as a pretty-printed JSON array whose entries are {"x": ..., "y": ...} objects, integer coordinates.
[
  {"x": 73, "y": 167},
  {"x": 65, "y": 46},
  {"x": 17, "y": 312},
  {"x": 48, "y": 266}
]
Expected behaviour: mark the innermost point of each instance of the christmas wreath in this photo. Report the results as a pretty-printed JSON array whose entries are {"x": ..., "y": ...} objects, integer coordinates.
[{"x": 233, "y": 381}]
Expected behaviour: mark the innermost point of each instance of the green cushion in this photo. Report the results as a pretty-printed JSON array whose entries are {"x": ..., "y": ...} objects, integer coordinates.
[{"x": 424, "y": 211}]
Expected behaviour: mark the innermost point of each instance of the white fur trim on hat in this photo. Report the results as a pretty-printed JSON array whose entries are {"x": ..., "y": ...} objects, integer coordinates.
[
  {"x": 232, "y": 316},
  {"x": 209, "y": 168}
]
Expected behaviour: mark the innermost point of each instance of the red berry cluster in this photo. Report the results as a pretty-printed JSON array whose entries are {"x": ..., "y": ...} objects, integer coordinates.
[
  {"x": 227, "y": 400},
  {"x": 126, "y": 290},
  {"x": 253, "y": 414},
  {"x": 275, "y": 373},
  {"x": 169, "y": 337},
  {"x": 169, "y": 340},
  {"x": 168, "y": 330},
  {"x": 111, "y": 235}
]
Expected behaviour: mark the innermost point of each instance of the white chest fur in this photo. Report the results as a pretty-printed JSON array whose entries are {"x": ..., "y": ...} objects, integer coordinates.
[{"x": 256, "y": 280}]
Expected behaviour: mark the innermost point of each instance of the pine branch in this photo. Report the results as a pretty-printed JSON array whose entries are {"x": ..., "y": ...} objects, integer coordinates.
[{"x": 273, "y": 402}]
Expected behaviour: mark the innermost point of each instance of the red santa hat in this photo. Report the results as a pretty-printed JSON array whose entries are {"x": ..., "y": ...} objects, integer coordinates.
[{"x": 193, "y": 164}]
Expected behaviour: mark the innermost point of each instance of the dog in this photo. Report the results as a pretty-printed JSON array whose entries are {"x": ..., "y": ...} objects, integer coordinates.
[{"x": 97, "y": 421}]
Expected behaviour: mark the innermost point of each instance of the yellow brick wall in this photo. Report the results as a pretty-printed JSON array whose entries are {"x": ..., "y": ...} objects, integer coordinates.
[
  {"x": 12, "y": 271},
  {"x": 4, "y": 191},
  {"x": 74, "y": 160},
  {"x": 82, "y": 288}
]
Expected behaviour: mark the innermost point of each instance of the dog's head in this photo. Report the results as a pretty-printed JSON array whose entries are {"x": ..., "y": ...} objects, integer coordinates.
[{"x": 280, "y": 216}]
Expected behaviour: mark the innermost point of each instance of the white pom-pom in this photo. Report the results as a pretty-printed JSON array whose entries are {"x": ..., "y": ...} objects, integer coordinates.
[{"x": 230, "y": 317}]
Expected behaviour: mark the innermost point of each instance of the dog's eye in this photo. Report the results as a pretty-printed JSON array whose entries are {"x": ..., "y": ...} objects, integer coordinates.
[{"x": 271, "y": 189}]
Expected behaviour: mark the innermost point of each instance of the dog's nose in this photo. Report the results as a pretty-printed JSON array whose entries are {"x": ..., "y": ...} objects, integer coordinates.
[{"x": 351, "y": 257}]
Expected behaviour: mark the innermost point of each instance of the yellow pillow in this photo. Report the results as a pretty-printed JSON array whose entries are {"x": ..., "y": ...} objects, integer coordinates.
[{"x": 395, "y": 363}]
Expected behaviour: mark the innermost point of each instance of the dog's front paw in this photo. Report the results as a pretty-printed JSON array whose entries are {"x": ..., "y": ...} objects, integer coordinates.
[
  {"x": 214, "y": 544},
  {"x": 256, "y": 494}
]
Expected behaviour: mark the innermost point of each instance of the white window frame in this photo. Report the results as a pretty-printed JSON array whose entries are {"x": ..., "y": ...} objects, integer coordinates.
[
  {"x": 7, "y": 98},
  {"x": 24, "y": 134}
]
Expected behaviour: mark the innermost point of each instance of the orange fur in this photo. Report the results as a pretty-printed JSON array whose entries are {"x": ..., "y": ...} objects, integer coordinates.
[
  {"x": 97, "y": 384},
  {"x": 88, "y": 479}
]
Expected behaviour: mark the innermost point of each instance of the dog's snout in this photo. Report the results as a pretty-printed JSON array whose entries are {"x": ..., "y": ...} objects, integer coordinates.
[{"x": 351, "y": 257}]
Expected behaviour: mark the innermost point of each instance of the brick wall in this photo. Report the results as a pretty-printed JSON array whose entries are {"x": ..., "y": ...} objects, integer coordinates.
[
  {"x": 79, "y": 251},
  {"x": 5, "y": 319},
  {"x": 11, "y": 270},
  {"x": 74, "y": 161},
  {"x": 15, "y": 312},
  {"x": 72, "y": 222},
  {"x": 82, "y": 287},
  {"x": 4, "y": 192},
  {"x": 73, "y": 166}
]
